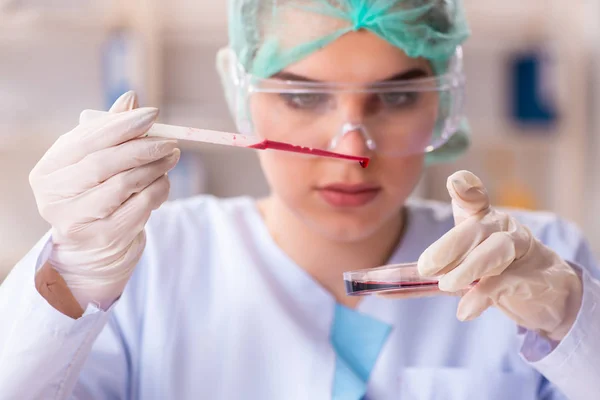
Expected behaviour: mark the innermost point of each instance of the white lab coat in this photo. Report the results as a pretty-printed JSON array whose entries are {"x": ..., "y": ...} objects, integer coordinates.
[{"x": 216, "y": 310}]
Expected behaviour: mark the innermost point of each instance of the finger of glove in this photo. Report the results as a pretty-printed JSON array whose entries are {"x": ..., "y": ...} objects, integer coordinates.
[
  {"x": 490, "y": 258},
  {"x": 416, "y": 294},
  {"x": 491, "y": 291},
  {"x": 102, "y": 201},
  {"x": 94, "y": 258},
  {"x": 469, "y": 196},
  {"x": 130, "y": 219},
  {"x": 118, "y": 230},
  {"x": 70, "y": 217},
  {"x": 452, "y": 248},
  {"x": 102, "y": 281},
  {"x": 107, "y": 131},
  {"x": 126, "y": 102},
  {"x": 102, "y": 165},
  {"x": 473, "y": 304}
]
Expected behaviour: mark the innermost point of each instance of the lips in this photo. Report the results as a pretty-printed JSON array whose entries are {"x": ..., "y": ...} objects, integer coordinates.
[{"x": 348, "y": 195}]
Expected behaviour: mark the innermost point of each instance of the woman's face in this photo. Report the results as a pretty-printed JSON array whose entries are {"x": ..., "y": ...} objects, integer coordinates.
[{"x": 337, "y": 198}]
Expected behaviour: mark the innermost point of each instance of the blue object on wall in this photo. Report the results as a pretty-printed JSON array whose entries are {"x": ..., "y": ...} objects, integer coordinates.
[
  {"x": 188, "y": 178},
  {"x": 118, "y": 61},
  {"x": 532, "y": 86}
]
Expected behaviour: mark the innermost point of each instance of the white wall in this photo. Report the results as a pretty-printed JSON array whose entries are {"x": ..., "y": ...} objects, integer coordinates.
[{"x": 43, "y": 87}]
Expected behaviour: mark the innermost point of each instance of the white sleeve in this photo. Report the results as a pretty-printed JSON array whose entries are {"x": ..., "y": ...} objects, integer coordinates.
[
  {"x": 573, "y": 366},
  {"x": 42, "y": 351}
]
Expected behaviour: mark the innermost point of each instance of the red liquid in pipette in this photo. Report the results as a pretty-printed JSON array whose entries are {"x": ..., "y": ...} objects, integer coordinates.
[{"x": 270, "y": 144}]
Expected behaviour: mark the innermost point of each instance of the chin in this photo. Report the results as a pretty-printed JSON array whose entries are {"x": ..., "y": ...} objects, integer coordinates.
[{"x": 347, "y": 227}]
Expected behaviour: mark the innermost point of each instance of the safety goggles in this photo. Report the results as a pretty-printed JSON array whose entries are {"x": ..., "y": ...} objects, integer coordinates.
[{"x": 392, "y": 118}]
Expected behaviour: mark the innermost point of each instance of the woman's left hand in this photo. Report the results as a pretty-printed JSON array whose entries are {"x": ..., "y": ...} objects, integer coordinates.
[{"x": 526, "y": 280}]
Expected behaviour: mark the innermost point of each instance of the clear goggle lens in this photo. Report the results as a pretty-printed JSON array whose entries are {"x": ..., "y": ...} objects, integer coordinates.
[{"x": 395, "y": 118}]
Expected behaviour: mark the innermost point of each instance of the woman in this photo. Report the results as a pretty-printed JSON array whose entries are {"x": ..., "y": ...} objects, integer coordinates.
[{"x": 236, "y": 299}]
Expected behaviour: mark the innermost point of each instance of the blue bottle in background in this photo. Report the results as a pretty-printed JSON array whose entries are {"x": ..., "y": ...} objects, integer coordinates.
[{"x": 120, "y": 60}]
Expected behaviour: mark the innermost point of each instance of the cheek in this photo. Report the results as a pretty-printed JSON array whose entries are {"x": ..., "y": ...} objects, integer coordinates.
[
  {"x": 261, "y": 115},
  {"x": 283, "y": 171},
  {"x": 266, "y": 114},
  {"x": 400, "y": 176},
  {"x": 286, "y": 174}
]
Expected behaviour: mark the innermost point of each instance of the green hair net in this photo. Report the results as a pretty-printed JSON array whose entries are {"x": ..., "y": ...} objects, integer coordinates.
[{"x": 268, "y": 35}]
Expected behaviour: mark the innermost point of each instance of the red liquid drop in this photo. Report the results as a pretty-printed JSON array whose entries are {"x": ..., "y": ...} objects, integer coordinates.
[{"x": 270, "y": 144}]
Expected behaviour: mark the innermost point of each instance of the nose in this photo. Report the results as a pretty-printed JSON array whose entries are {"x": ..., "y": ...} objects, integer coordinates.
[{"x": 353, "y": 139}]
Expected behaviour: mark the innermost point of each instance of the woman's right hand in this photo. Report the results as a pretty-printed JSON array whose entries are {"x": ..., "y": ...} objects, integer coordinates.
[{"x": 97, "y": 186}]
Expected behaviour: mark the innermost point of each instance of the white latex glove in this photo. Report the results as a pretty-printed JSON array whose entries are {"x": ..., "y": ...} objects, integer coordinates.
[
  {"x": 526, "y": 280},
  {"x": 97, "y": 186}
]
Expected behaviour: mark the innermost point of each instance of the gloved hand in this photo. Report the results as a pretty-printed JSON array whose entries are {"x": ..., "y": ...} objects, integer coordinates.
[
  {"x": 97, "y": 186},
  {"x": 526, "y": 280}
]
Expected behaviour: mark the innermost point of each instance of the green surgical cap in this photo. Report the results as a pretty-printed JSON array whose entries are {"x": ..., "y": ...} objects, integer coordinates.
[{"x": 269, "y": 35}]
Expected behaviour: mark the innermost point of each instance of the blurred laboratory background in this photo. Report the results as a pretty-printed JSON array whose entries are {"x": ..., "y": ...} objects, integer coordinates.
[{"x": 533, "y": 98}]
